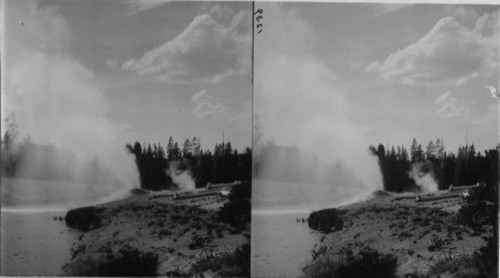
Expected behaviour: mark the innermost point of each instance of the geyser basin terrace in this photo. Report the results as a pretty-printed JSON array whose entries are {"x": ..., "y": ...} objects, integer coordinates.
[
  {"x": 425, "y": 238},
  {"x": 181, "y": 236}
]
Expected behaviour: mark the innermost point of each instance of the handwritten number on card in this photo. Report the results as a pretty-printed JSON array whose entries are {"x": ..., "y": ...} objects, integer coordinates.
[{"x": 259, "y": 18}]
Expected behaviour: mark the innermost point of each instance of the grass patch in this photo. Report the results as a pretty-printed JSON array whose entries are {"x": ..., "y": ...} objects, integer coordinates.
[
  {"x": 129, "y": 262},
  {"x": 369, "y": 263},
  {"x": 235, "y": 264},
  {"x": 437, "y": 243},
  {"x": 316, "y": 254},
  {"x": 404, "y": 235},
  {"x": 75, "y": 250},
  {"x": 164, "y": 233},
  {"x": 196, "y": 242},
  {"x": 463, "y": 266}
]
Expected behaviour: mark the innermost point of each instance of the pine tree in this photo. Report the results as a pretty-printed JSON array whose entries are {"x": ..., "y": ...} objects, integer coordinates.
[
  {"x": 187, "y": 149},
  {"x": 404, "y": 154},
  {"x": 413, "y": 151},
  {"x": 176, "y": 152},
  {"x": 419, "y": 153},
  {"x": 431, "y": 150},
  {"x": 170, "y": 148}
]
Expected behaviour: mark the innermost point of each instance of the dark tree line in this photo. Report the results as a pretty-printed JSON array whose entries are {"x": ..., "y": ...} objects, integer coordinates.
[
  {"x": 25, "y": 159},
  {"x": 467, "y": 167},
  {"x": 222, "y": 165}
]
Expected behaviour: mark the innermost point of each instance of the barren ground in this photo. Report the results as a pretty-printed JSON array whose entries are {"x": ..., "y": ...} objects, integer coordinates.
[
  {"x": 159, "y": 224},
  {"x": 404, "y": 228}
]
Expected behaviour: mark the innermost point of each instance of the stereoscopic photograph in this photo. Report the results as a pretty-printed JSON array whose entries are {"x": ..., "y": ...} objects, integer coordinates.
[
  {"x": 126, "y": 138},
  {"x": 375, "y": 140},
  {"x": 249, "y": 139}
]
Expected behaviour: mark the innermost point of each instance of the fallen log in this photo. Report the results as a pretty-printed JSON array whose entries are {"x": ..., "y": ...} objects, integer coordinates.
[
  {"x": 448, "y": 195},
  {"x": 461, "y": 187},
  {"x": 221, "y": 185},
  {"x": 405, "y": 197},
  {"x": 196, "y": 195}
]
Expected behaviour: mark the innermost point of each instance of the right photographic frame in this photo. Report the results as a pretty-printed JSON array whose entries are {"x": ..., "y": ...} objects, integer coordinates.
[{"x": 375, "y": 140}]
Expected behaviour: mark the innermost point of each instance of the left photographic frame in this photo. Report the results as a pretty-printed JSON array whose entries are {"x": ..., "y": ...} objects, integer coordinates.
[{"x": 126, "y": 138}]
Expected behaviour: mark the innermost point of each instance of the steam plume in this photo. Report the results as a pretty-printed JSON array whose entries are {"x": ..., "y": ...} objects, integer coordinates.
[
  {"x": 302, "y": 107},
  {"x": 57, "y": 100},
  {"x": 300, "y": 103},
  {"x": 182, "y": 178},
  {"x": 425, "y": 180}
]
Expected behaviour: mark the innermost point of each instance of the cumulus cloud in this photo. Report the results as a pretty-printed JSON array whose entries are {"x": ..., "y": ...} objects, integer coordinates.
[
  {"x": 221, "y": 11},
  {"x": 204, "y": 52},
  {"x": 450, "y": 107},
  {"x": 461, "y": 12},
  {"x": 136, "y": 6},
  {"x": 207, "y": 105},
  {"x": 493, "y": 91},
  {"x": 450, "y": 54},
  {"x": 381, "y": 9}
]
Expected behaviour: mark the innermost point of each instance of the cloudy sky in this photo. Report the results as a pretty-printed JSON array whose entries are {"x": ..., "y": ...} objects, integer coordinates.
[
  {"x": 373, "y": 73},
  {"x": 136, "y": 70}
]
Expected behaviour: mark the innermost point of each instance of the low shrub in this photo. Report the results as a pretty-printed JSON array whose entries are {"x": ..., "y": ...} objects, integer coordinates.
[
  {"x": 381, "y": 193},
  {"x": 237, "y": 211},
  {"x": 460, "y": 266},
  {"x": 326, "y": 220},
  {"x": 369, "y": 263},
  {"x": 77, "y": 249},
  {"x": 84, "y": 219},
  {"x": 235, "y": 264},
  {"x": 129, "y": 262},
  {"x": 316, "y": 254},
  {"x": 138, "y": 191},
  {"x": 480, "y": 210},
  {"x": 164, "y": 232},
  {"x": 404, "y": 234},
  {"x": 451, "y": 265},
  {"x": 487, "y": 258},
  {"x": 196, "y": 242},
  {"x": 480, "y": 207},
  {"x": 436, "y": 244}
]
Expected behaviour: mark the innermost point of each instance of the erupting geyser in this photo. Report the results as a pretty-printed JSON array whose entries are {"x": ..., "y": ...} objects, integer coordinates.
[
  {"x": 302, "y": 107},
  {"x": 58, "y": 102}
]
